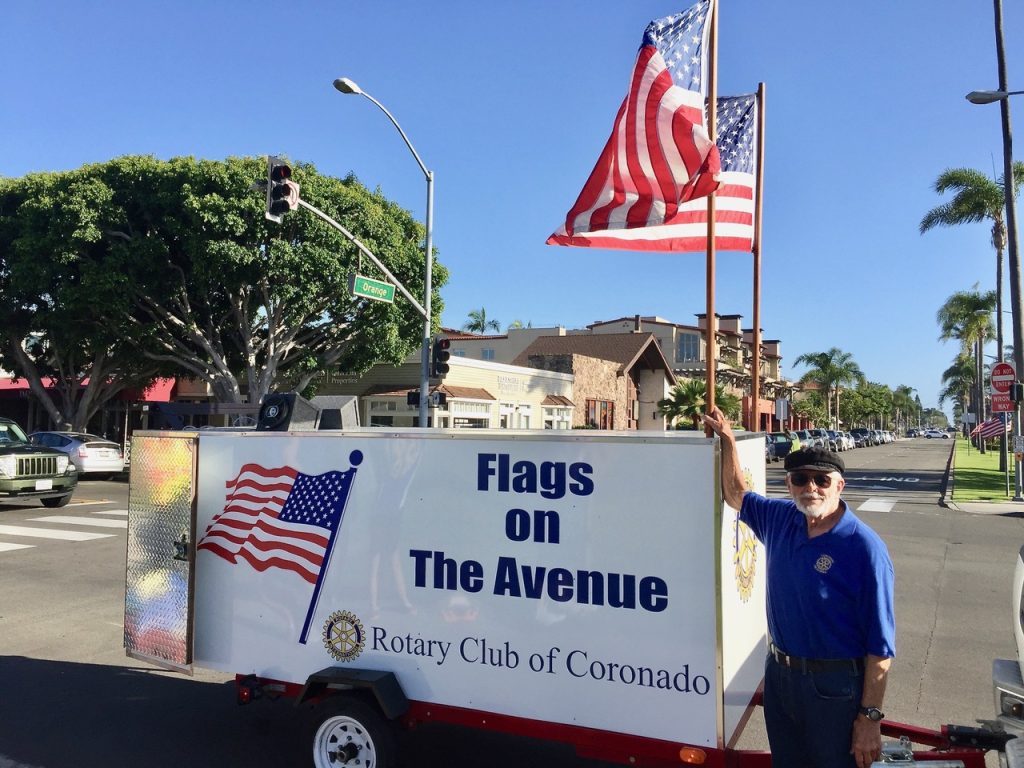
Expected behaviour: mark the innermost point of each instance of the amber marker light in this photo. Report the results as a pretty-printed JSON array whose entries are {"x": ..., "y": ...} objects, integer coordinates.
[{"x": 692, "y": 755}]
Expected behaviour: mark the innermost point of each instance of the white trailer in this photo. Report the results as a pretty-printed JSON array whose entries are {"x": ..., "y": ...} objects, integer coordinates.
[{"x": 586, "y": 587}]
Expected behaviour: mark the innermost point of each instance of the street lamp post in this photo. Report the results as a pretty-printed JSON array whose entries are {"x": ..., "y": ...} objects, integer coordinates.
[
  {"x": 1016, "y": 314},
  {"x": 345, "y": 85}
]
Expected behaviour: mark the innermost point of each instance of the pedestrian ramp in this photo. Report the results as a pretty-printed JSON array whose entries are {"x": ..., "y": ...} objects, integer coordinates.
[{"x": 72, "y": 528}]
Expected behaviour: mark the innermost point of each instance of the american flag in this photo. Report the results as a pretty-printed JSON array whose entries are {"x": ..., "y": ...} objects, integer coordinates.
[
  {"x": 997, "y": 425},
  {"x": 734, "y": 201},
  {"x": 279, "y": 518},
  {"x": 659, "y": 155}
]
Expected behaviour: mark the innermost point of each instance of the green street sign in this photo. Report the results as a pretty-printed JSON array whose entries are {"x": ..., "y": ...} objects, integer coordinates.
[{"x": 368, "y": 288}]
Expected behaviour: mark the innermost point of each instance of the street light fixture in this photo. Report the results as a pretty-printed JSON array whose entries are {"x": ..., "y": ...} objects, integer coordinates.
[
  {"x": 987, "y": 97},
  {"x": 344, "y": 85}
]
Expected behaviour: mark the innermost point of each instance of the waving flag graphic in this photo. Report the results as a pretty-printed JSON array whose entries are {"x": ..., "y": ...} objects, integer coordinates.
[{"x": 281, "y": 518}]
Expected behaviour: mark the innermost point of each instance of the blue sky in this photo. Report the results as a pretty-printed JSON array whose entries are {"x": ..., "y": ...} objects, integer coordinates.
[{"x": 509, "y": 104}]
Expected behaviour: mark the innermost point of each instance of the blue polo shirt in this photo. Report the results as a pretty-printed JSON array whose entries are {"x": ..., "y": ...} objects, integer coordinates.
[{"x": 830, "y": 597}]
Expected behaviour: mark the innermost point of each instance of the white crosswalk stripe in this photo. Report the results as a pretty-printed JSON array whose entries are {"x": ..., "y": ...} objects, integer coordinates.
[
  {"x": 51, "y": 533},
  {"x": 69, "y": 520},
  {"x": 4, "y": 547},
  {"x": 119, "y": 512},
  {"x": 875, "y": 504}
]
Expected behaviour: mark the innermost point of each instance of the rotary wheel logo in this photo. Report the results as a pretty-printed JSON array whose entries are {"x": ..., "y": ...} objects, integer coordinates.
[
  {"x": 744, "y": 558},
  {"x": 344, "y": 637}
]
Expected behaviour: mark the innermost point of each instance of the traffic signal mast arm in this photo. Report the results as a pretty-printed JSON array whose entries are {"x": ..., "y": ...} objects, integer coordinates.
[{"x": 366, "y": 252}]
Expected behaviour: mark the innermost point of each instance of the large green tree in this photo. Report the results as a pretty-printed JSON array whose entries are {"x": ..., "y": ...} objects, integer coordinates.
[
  {"x": 64, "y": 331},
  {"x": 976, "y": 198},
  {"x": 207, "y": 287},
  {"x": 831, "y": 371}
]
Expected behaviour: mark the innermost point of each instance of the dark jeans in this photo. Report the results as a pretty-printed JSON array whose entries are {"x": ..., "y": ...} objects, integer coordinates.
[{"x": 809, "y": 716}]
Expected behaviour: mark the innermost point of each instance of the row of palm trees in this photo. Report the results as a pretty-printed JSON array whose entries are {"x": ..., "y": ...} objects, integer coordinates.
[
  {"x": 479, "y": 322},
  {"x": 833, "y": 373},
  {"x": 966, "y": 315}
]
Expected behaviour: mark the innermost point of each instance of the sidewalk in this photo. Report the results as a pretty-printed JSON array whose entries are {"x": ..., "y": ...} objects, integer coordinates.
[{"x": 983, "y": 485}]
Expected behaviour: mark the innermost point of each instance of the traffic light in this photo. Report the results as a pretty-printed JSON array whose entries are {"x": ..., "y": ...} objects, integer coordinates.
[
  {"x": 439, "y": 358},
  {"x": 282, "y": 192}
]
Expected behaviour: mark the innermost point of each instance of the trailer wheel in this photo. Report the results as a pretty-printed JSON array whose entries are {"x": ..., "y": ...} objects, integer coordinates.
[{"x": 353, "y": 734}]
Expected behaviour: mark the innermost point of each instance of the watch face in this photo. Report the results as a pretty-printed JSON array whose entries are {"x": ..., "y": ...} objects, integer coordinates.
[{"x": 872, "y": 713}]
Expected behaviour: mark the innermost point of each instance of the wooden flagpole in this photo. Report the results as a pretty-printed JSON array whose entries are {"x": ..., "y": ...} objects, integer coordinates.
[
  {"x": 755, "y": 371},
  {"x": 710, "y": 324}
]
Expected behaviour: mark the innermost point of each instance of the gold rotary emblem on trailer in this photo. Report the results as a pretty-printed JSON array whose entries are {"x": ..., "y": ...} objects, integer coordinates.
[
  {"x": 744, "y": 556},
  {"x": 344, "y": 637}
]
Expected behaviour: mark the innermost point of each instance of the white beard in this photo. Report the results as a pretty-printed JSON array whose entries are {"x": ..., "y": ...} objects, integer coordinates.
[{"x": 813, "y": 508}]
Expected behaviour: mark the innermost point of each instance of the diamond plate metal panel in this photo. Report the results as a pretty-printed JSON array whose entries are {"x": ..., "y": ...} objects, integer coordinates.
[{"x": 158, "y": 607}]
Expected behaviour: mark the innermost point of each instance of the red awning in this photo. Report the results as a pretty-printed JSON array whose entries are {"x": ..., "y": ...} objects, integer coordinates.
[
  {"x": 9, "y": 383},
  {"x": 160, "y": 391}
]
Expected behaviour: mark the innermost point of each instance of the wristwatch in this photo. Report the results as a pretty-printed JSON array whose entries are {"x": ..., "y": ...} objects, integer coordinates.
[{"x": 874, "y": 714}]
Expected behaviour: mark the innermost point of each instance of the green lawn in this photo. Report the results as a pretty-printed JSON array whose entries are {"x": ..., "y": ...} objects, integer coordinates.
[{"x": 976, "y": 476}]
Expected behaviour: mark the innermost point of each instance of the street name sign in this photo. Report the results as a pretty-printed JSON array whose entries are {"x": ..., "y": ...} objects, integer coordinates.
[
  {"x": 1003, "y": 376},
  {"x": 368, "y": 288}
]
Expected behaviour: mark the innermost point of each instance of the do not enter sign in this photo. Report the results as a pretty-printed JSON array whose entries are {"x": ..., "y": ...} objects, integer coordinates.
[{"x": 1003, "y": 375}]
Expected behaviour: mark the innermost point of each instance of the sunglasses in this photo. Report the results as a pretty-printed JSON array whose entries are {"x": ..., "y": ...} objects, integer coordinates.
[{"x": 800, "y": 479}]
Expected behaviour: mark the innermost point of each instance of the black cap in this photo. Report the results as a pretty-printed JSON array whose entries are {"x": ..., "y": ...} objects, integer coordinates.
[{"x": 815, "y": 458}]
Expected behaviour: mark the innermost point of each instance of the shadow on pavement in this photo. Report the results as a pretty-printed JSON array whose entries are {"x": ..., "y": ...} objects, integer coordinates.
[
  {"x": 56, "y": 714},
  {"x": 67, "y": 714}
]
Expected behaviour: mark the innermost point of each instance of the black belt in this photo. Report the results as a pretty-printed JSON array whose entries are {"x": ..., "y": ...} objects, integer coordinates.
[{"x": 815, "y": 665}]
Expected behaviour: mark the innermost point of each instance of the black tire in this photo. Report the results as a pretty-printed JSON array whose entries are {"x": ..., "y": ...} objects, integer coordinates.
[
  {"x": 344, "y": 722},
  {"x": 56, "y": 501}
]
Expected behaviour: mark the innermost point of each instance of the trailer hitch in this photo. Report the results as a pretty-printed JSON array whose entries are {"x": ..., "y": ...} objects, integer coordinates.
[{"x": 990, "y": 737}]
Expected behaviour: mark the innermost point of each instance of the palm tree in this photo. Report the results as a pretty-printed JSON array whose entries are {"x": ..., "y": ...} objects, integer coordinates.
[
  {"x": 977, "y": 198},
  {"x": 957, "y": 381},
  {"x": 903, "y": 403},
  {"x": 830, "y": 371},
  {"x": 478, "y": 322},
  {"x": 687, "y": 400},
  {"x": 967, "y": 317}
]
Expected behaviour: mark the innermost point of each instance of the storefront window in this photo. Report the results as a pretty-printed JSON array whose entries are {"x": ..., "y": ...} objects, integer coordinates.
[{"x": 601, "y": 414}]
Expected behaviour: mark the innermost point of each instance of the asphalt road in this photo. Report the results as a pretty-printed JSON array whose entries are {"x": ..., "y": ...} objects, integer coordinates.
[{"x": 69, "y": 696}]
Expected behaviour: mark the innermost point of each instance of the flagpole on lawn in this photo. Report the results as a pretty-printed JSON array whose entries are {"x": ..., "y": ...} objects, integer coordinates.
[
  {"x": 712, "y": 107},
  {"x": 755, "y": 371}
]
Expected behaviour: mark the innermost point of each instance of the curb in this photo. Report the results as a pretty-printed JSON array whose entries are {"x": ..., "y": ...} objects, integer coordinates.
[{"x": 946, "y": 494}]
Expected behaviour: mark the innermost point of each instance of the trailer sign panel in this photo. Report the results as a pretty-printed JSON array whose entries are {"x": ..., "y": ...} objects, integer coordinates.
[{"x": 593, "y": 581}]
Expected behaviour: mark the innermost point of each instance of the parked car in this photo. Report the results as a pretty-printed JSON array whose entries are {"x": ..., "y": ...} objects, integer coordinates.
[
  {"x": 862, "y": 436},
  {"x": 783, "y": 442},
  {"x": 91, "y": 454},
  {"x": 796, "y": 440},
  {"x": 33, "y": 472},
  {"x": 820, "y": 438}
]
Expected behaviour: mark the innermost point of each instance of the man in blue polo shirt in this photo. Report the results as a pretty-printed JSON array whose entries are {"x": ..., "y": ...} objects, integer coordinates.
[{"x": 830, "y": 611}]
